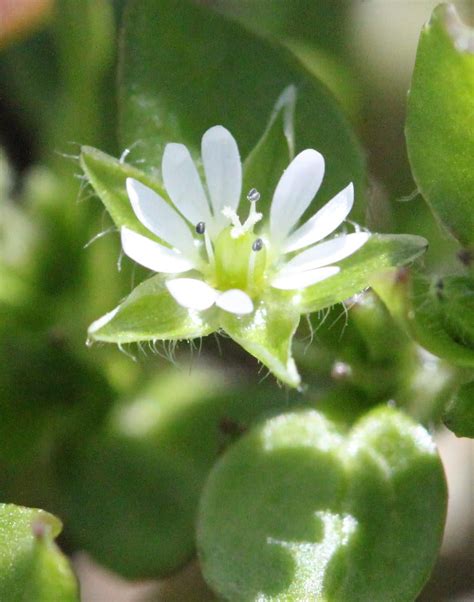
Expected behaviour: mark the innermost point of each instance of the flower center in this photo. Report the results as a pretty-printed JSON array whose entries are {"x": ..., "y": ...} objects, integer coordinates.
[{"x": 239, "y": 229}]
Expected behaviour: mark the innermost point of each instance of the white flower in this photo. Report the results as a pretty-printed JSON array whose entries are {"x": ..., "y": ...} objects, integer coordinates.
[{"x": 230, "y": 264}]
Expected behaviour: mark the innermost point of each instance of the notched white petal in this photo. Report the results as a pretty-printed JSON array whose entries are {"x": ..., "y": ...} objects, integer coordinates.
[
  {"x": 152, "y": 255},
  {"x": 160, "y": 218},
  {"x": 327, "y": 252},
  {"x": 223, "y": 168},
  {"x": 323, "y": 223},
  {"x": 300, "y": 280},
  {"x": 235, "y": 301},
  {"x": 192, "y": 293},
  {"x": 183, "y": 184},
  {"x": 294, "y": 192}
]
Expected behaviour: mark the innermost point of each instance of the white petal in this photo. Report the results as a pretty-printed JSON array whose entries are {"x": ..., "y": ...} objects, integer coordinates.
[
  {"x": 294, "y": 192},
  {"x": 326, "y": 253},
  {"x": 192, "y": 293},
  {"x": 152, "y": 255},
  {"x": 298, "y": 280},
  {"x": 221, "y": 159},
  {"x": 235, "y": 301},
  {"x": 183, "y": 184},
  {"x": 323, "y": 223},
  {"x": 160, "y": 218}
]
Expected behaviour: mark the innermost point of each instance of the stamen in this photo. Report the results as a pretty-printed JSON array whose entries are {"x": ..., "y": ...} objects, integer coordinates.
[
  {"x": 209, "y": 249},
  {"x": 257, "y": 245}
]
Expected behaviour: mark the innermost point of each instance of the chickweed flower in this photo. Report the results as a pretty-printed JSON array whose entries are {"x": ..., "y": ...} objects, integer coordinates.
[
  {"x": 229, "y": 261},
  {"x": 247, "y": 262}
]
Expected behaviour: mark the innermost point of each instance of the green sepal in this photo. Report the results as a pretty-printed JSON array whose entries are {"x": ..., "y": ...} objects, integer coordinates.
[
  {"x": 459, "y": 415},
  {"x": 108, "y": 176},
  {"x": 298, "y": 509},
  {"x": 381, "y": 252},
  {"x": 150, "y": 313},
  {"x": 265, "y": 164},
  {"x": 31, "y": 565},
  {"x": 439, "y": 129},
  {"x": 267, "y": 334}
]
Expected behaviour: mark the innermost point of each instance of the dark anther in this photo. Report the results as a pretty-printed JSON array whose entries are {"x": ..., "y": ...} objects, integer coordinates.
[
  {"x": 253, "y": 195},
  {"x": 200, "y": 227},
  {"x": 257, "y": 245},
  {"x": 439, "y": 287}
]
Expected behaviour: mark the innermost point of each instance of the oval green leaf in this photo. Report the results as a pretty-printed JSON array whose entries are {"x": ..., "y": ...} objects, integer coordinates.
[
  {"x": 459, "y": 416},
  {"x": 298, "y": 510},
  {"x": 440, "y": 121}
]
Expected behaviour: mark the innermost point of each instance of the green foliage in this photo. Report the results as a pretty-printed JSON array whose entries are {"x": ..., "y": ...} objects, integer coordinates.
[
  {"x": 31, "y": 566},
  {"x": 439, "y": 131},
  {"x": 181, "y": 73},
  {"x": 131, "y": 492},
  {"x": 459, "y": 415},
  {"x": 299, "y": 510}
]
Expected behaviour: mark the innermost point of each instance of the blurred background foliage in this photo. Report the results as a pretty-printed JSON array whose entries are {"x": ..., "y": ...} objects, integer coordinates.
[{"x": 106, "y": 439}]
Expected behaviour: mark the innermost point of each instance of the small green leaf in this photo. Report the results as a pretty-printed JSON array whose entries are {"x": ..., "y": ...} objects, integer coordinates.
[
  {"x": 108, "y": 176},
  {"x": 299, "y": 510},
  {"x": 381, "y": 252},
  {"x": 440, "y": 129},
  {"x": 31, "y": 565},
  {"x": 273, "y": 152},
  {"x": 267, "y": 335},
  {"x": 150, "y": 313},
  {"x": 459, "y": 416},
  {"x": 185, "y": 68}
]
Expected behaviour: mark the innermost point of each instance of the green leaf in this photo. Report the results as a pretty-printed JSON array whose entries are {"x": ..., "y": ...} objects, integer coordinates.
[
  {"x": 273, "y": 152},
  {"x": 31, "y": 565},
  {"x": 184, "y": 68},
  {"x": 131, "y": 491},
  {"x": 107, "y": 176},
  {"x": 439, "y": 129},
  {"x": 298, "y": 510},
  {"x": 381, "y": 252},
  {"x": 267, "y": 335},
  {"x": 459, "y": 415},
  {"x": 150, "y": 313}
]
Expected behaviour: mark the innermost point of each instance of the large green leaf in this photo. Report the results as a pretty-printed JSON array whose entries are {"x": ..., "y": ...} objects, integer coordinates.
[
  {"x": 185, "y": 68},
  {"x": 267, "y": 334},
  {"x": 440, "y": 121},
  {"x": 297, "y": 510},
  {"x": 381, "y": 252},
  {"x": 31, "y": 566},
  {"x": 151, "y": 314}
]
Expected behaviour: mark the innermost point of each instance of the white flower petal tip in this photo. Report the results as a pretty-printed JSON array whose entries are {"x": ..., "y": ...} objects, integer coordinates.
[
  {"x": 235, "y": 301},
  {"x": 192, "y": 293},
  {"x": 323, "y": 222},
  {"x": 183, "y": 184},
  {"x": 326, "y": 253},
  {"x": 294, "y": 192},
  {"x": 152, "y": 255},
  {"x": 223, "y": 168},
  {"x": 302, "y": 280}
]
